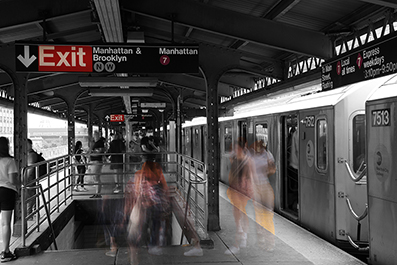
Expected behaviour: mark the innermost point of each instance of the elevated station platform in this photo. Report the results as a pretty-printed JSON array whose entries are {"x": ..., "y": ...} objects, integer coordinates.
[{"x": 293, "y": 245}]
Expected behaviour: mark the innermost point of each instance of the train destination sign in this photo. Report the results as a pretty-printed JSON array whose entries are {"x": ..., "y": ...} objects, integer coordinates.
[
  {"x": 377, "y": 59},
  {"x": 112, "y": 58}
]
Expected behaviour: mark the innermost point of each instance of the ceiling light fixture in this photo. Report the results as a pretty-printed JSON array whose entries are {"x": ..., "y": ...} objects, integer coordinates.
[
  {"x": 116, "y": 92},
  {"x": 118, "y": 81}
]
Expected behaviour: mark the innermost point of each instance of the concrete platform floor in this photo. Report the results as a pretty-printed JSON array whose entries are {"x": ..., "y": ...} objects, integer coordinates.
[{"x": 294, "y": 246}]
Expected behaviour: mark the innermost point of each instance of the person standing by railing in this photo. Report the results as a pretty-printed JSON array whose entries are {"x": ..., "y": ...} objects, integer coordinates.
[
  {"x": 135, "y": 148},
  {"x": 31, "y": 175},
  {"x": 149, "y": 148},
  {"x": 9, "y": 189},
  {"x": 116, "y": 148},
  {"x": 96, "y": 163},
  {"x": 80, "y": 162}
]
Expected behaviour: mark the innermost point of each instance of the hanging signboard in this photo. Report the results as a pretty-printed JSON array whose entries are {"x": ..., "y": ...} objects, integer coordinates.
[
  {"x": 376, "y": 59},
  {"x": 111, "y": 58}
]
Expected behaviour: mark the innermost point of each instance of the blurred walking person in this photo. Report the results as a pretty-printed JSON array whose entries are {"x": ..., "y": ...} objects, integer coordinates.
[
  {"x": 264, "y": 164},
  {"x": 147, "y": 203},
  {"x": 240, "y": 192}
]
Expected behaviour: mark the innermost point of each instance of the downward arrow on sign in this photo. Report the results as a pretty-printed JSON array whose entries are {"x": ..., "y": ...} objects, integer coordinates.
[{"x": 26, "y": 60}]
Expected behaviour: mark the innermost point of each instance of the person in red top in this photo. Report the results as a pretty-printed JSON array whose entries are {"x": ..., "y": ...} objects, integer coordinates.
[{"x": 149, "y": 191}]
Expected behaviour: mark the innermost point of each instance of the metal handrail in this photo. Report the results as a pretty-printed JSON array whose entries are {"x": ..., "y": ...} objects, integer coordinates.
[
  {"x": 352, "y": 175},
  {"x": 58, "y": 184},
  {"x": 188, "y": 173},
  {"x": 55, "y": 167},
  {"x": 356, "y": 216},
  {"x": 126, "y": 165},
  {"x": 187, "y": 202},
  {"x": 355, "y": 245},
  {"x": 40, "y": 187}
]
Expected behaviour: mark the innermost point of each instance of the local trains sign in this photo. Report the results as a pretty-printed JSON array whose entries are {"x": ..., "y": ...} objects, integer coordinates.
[
  {"x": 141, "y": 58},
  {"x": 376, "y": 59}
]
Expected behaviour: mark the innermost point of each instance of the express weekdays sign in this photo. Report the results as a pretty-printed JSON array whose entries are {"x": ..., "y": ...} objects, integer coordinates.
[
  {"x": 107, "y": 58},
  {"x": 377, "y": 59}
]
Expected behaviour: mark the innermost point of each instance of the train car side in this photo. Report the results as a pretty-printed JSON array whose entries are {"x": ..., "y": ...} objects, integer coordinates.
[
  {"x": 381, "y": 110},
  {"x": 327, "y": 131}
]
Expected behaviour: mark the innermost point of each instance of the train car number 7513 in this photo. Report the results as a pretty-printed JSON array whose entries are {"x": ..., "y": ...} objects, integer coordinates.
[{"x": 380, "y": 117}]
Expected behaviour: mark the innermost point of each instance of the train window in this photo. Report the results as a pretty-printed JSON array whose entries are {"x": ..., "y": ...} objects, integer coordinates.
[
  {"x": 358, "y": 140},
  {"x": 228, "y": 138},
  {"x": 322, "y": 144},
  {"x": 261, "y": 133}
]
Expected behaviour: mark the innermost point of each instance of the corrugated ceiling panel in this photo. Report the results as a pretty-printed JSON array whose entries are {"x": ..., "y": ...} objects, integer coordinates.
[
  {"x": 24, "y": 32},
  {"x": 315, "y": 15},
  {"x": 251, "y": 7}
]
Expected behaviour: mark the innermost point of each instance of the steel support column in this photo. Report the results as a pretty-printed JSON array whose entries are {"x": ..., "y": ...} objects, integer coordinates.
[
  {"x": 20, "y": 81},
  {"x": 71, "y": 129},
  {"x": 89, "y": 125},
  {"x": 212, "y": 71},
  {"x": 164, "y": 128},
  {"x": 70, "y": 96},
  {"x": 178, "y": 125},
  {"x": 20, "y": 139}
]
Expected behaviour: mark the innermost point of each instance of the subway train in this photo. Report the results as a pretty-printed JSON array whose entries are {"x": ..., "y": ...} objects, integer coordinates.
[{"x": 342, "y": 187}]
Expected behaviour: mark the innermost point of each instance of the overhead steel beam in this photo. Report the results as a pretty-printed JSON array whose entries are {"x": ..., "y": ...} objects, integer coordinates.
[
  {"x": 15, "y": 13},
  {"x": 110, "y": 18},
  {"x": 52, "y": 83},
  {"x": 275, "y": 62},
  {"x": 70, "y": 32},
  {"x": 387, "y": 3},
  {"x": 236, "y": 25},
  {"x": 280, "y": 8},
  {"x": 193, "y": 83}
]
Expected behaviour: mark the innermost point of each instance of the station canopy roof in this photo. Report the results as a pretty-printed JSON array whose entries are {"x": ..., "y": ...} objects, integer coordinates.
[{"x": 267, "y": 36}]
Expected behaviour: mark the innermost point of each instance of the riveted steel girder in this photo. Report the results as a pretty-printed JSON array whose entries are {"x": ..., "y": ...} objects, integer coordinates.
[{"x": 234, "y": 24}]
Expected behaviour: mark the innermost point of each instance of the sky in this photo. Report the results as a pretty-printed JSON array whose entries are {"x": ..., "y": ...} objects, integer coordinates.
[{"x": 39, "y": 121}]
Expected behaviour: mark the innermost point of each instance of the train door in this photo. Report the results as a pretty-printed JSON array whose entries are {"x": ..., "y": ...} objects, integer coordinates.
[
  {"x": 316, "y": 178},
  {"x": 262, "y": 129},
  {"x": 382, "y": 168},
  {"x": 242, "y": 130},
  {"x": 226, "y": 140},
  {"x": 197, "y": 143},
  {"x": 184, "y": 141},
  {"x": 188, "y": 142},
  {"x": 289, "y": 163}
]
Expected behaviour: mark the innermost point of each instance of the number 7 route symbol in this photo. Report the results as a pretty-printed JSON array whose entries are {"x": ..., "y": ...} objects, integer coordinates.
[
  {"x": 359, "y": 60},
  {"x": 164, "y": 60}
]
